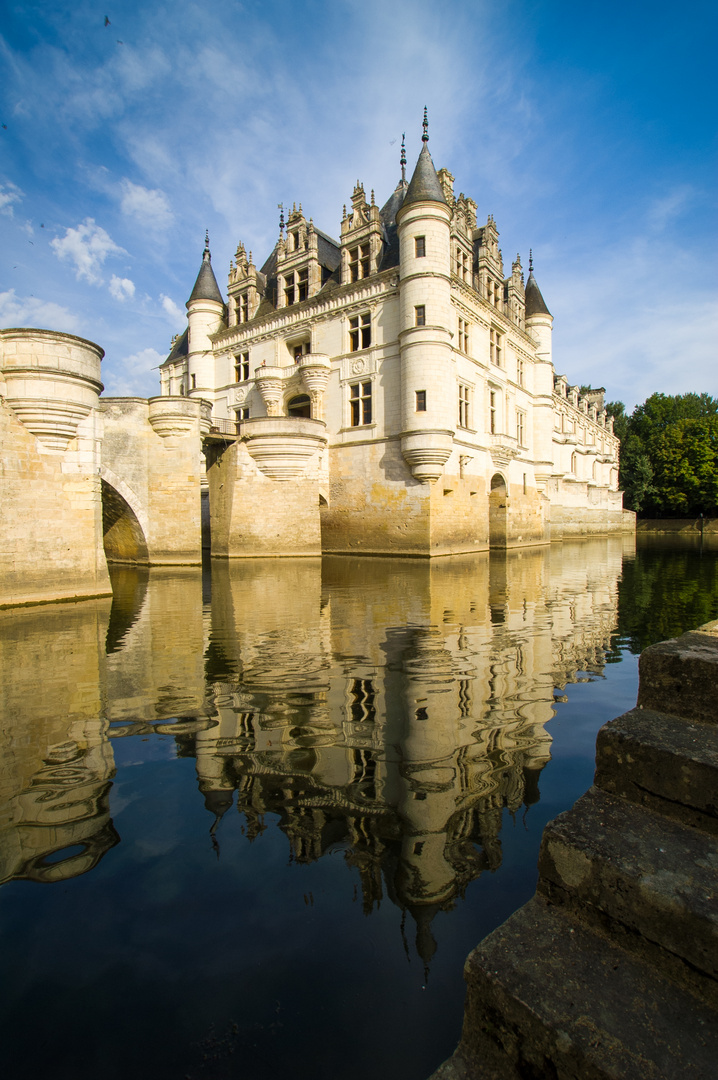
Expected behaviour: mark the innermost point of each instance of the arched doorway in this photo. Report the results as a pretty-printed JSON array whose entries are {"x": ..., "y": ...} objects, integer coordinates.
[
  {"x": 122, "y": 534},
  {"x": 300, "y": 406},
  {"x": 498, "y": 512}
]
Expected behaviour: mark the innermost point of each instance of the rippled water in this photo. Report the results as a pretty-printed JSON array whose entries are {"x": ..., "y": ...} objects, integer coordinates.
[{"x": 253, "y": 819}]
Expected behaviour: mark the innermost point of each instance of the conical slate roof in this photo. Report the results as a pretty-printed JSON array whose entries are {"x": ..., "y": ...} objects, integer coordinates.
[
  {"x": 206, "y": 287},
  {"x": 424, "y": 185},
  {"x": 535, "y": 303}
]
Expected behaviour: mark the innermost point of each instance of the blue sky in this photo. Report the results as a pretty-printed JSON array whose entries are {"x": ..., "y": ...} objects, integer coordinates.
[{"x": 587, "y": 130}]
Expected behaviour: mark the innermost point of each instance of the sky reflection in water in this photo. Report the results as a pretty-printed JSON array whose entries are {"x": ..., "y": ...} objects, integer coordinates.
[{"x": 252, "y": 821}]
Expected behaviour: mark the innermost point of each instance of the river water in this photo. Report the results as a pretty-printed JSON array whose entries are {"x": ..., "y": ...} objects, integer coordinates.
[{"x": 254, "y": 817}]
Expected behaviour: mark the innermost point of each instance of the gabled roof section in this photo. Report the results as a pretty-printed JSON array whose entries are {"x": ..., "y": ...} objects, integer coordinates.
[
  {"x": 180, "y": 348},
  {"x": 535, "y": 303},
  {"x": 206, "y": 287}
]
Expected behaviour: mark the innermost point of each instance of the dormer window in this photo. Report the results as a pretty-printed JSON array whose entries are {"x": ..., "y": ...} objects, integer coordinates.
[
  {"x": 303, "y": 284},
  {"x": 462, "y": 265},
  {"x": 244, "y": 307},
  {"x": 296, "y": 241},
  {"x": 359, "y": 262}
]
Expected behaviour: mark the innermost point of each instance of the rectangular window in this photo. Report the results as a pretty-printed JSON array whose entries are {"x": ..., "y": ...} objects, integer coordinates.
[
  {"x": 193, "y": 380},
  {"x": 244, "y": 301},
  {"x": 520, "y": 427},
  {"x": 289, "y": 290},
  {"x": 359, "y": 262},
  {"x": 360, "y": 331},
  {"x": 462, "y": 264},
  {"x": 303, "y": 284},
  {"x": 360, "y": 404},
  {"x": 241, "y": 367},
  {"x": 421, "y": 400},
  {"x": 464, "y": 405},
  {"x": 420, "y": 247},
  {"x": 420, "y": 315},
  {"x": 520, "y": 371},
  {"x": 463, "y": 335},
  {"x": 492, "y": 412},
  {"x": 243, "y": 414},
  {"x": 496, "y": 347}
]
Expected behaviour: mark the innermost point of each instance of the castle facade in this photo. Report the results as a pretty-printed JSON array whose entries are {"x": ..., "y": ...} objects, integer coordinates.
[{"x": 400, "y": 380}]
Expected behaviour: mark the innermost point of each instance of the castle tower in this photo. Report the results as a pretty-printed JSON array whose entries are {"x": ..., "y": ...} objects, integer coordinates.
[
  {"x": 427, "y": 385},
  {"x": 539, "y": 325},
  {"x": 205, "y": 316}
]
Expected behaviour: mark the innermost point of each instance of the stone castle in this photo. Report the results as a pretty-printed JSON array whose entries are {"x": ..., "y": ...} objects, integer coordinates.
[{"x": 389, "y": 393}]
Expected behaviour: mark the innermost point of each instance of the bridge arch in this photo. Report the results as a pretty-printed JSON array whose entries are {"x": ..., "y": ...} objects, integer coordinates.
[
  {"x": 124, "y": 524},
  {"x": 498, "y": 511}
]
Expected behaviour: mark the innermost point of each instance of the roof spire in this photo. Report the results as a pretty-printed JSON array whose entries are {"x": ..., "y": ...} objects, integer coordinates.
[
  {"x": 425, "y": 136},
  {"x": 206, "y": 287},
  {"x": 531, "y": 260},
  {"x": 280, "y": 207},
  {"x": 403, "y": 158}
]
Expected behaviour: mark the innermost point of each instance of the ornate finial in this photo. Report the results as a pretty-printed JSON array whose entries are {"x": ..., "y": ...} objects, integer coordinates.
[
  {"x": 403, "y": 159},
  {"x": 531, "y": 261},
  {"x": 206, "y": 254},
  {"x": 280, "y": 207},
  {"x": 425, "y": 136}
]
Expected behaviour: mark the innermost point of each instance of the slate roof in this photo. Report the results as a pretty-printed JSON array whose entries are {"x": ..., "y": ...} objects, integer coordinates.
[
  {"x": 424, "y": 185},
  {"x": 388, "y": 212},
  {"x": 179, "y": 349},
  {"x": 206, "y": 287},
  {"x": 535, "y": 303}
]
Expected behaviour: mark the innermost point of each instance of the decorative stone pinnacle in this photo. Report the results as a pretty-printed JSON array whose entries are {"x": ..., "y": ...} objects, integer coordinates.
[{"x": 425, "y": 136}]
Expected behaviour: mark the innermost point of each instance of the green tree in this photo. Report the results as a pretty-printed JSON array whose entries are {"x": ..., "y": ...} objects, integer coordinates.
[
  {"x": 668, "y": 454},
  {"x": 684, "y": 459}
]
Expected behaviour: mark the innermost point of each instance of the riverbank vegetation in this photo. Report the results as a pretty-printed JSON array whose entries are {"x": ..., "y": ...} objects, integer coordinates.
[{"x": 669, "y": 455}]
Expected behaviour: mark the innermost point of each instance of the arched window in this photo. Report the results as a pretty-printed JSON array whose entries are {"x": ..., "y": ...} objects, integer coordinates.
[{"x": 299, "y": 406}]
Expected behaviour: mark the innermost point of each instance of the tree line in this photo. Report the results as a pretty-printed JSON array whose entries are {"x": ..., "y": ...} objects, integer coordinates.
[{"x": 669, "y": 455}]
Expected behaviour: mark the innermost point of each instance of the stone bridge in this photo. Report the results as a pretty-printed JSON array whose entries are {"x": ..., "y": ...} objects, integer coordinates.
[{"x": 87, "y": 479}]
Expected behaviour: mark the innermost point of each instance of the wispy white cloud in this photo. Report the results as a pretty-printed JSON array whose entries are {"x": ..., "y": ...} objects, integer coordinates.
[
  {"x": 9, "y": 195},
  {"x": 35, "y": 312},
  {"x": 87, "y": 246},
  {"x": 133, "y": 375},
  {"x": 150, "y": 207},
  {"x": 668, "y": 208},
  {"x": 176, "y": 315},
  {"x": 121, "y": 288}
]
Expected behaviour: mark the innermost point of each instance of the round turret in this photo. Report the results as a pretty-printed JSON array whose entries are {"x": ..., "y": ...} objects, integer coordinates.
[
  {"x": 205, "y": 316},
  {"x": 427, "y": 411}
]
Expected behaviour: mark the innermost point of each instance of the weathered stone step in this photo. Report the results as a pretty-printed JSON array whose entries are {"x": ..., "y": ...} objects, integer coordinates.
[
  {"x": 663, "y": 762},
  {"x": 679, "y": 676},
  {"x": 650, "y": 881},
  {"x": 547, "y": 997}
]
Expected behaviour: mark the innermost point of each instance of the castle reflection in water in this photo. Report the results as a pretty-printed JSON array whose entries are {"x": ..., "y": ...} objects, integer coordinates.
[{"x": 388, "y": 709}]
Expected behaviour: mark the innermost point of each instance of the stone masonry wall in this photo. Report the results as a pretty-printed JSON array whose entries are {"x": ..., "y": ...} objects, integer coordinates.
[{"x": 50, "y": 516}]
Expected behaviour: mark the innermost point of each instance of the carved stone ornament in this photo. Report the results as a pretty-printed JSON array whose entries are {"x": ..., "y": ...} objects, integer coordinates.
[{"x": 358, "y": 367}]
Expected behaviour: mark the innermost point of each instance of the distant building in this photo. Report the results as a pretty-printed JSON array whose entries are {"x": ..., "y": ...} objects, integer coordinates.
[{"x": 446, "y": 426}]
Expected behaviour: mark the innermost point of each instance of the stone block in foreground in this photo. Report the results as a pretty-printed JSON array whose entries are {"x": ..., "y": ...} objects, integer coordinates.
[{"x": 611, "y": 971}]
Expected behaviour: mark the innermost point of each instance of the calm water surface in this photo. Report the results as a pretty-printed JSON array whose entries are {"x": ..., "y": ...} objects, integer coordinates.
[{"x": 253, "y": 819}]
